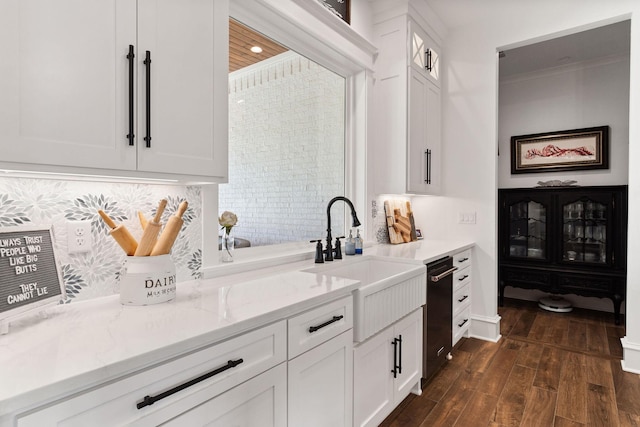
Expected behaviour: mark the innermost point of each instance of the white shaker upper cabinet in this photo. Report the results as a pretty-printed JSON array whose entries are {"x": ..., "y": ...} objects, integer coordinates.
[
  {"x": 407, "y": 109},
  {"x": 63, "y": 82},
  {"x": 79, "y": 92},
  {"x": 187, "y": 51}
]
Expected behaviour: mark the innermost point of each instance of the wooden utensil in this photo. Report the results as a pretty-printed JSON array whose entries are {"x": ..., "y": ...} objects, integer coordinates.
[
  {"x": 170, "y": 232},
  {"x": 120, "y": 233},
  {"x": 402, "y": 222},
  {"x": 150, "y": 234},
  {"x": 402, "y": 225},
  {"x": 394, "y": 236},
  {"x": 143, "y": 220},
  {"x": 414, "y": 236}
]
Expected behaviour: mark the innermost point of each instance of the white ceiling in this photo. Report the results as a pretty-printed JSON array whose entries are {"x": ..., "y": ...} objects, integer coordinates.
[{"x": 607, "y": 41}]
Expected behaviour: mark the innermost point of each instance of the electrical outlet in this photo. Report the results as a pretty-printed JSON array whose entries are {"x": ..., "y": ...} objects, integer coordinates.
[{"x": 79, "y": 236}]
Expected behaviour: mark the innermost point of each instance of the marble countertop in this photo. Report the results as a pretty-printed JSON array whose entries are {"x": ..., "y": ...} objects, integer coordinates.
[{"x": 48, "y": 355}]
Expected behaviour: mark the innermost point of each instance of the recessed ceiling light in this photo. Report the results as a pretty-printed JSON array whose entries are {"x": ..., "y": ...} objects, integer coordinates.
[{"x": 256, "y": 49}]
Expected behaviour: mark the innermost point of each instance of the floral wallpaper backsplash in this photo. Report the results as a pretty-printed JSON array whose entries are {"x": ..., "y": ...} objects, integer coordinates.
[{"x": 44, "y": 203}]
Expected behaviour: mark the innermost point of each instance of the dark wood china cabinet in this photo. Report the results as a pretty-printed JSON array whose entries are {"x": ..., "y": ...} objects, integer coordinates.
[{"x": 564, "y": 240}]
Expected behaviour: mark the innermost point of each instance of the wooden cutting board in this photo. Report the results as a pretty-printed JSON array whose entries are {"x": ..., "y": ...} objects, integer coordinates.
[{"x": 399, "y": 220}]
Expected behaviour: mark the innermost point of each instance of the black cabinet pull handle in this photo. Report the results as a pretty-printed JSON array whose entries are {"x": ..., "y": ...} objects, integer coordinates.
[
  {"x": 463, "y": 322},
  {"x": 427, "y": 166},
  {"x": 427, "y": 61},
  {"x": 394, "y": 343},
  {"x": 150, "y": 400},
  {"x": 327, "y": 323},
  {"x": 463, "y": 298},
  {"x": 463, "y": 259},
  {"x": 147, "y": 63},
  {"x": 130, "y": 57},
  {"x": 460, "y": 279},
  {"x": 400, "y": 354}
]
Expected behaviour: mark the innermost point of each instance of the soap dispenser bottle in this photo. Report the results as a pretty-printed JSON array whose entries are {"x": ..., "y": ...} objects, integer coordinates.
[
  {"x": 350, "y": 245},
  {"x": 358, "y": 243}
]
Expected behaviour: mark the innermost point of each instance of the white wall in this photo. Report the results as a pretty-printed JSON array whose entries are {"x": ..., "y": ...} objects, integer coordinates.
[
  {"x": 571, "y": 97},
  {"x": 476, "y": 31}
]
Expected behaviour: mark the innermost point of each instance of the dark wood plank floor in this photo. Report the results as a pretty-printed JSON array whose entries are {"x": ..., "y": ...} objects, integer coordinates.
[{"x": 549, "y": 369}]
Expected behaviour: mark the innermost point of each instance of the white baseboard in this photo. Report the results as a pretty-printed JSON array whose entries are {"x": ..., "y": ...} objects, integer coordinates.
[
  {"x": 631, "y": 356},
  {"x": 485, "y": 328}
]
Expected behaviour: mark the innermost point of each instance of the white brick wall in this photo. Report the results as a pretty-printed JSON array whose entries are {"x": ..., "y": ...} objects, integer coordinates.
[{"x": 286, "y": 150}]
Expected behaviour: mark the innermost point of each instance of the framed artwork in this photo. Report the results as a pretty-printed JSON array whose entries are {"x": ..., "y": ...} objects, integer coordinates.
[
  {"x": 340, "y": 8},
  {"x": 577, "y": 149}
]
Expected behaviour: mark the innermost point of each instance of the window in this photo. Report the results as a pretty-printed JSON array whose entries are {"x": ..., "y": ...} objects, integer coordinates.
[{"x": 286, "y": 150}]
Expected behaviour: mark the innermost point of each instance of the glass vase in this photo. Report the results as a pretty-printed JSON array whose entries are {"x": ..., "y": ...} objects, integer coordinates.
[{"x": 227, "y": 246}]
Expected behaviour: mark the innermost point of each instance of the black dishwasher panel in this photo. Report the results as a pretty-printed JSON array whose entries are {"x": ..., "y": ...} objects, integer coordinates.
[{"x": 437, "y": 316}]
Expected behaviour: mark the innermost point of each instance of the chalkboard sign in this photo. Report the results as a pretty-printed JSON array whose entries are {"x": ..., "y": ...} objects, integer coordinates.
[
  {"x": 29, "y": 274},
  {"x": 340, "y": 8}
]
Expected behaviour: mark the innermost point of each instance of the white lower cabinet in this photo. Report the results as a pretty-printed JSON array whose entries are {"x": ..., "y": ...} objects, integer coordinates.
[
  {"x": 387, "y": 367},
  {"x": 461, "y": 302},
  {"x": 232, "y": 363},
  {"x": 321, "y": 384},
  {"x": 320, "y": 379},
  {"x": 251, "y": 380}
]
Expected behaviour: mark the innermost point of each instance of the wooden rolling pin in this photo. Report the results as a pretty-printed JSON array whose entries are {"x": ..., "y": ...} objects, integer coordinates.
[
  {"x": 150, "y": 234},
  {"x": 120, "y": 234},
  {"x": 170, "y": 232},
  {"x": 143, "y": 220}
]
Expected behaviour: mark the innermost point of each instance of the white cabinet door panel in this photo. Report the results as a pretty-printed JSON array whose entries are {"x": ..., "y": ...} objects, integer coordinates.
[
  {"x": 321, "y": 385},
  {"x": 373, "y": 381},
  {"x": 64, "y": 78},
  {"x": 410, "y": 329},
  {"x": 186, "y": 45}
]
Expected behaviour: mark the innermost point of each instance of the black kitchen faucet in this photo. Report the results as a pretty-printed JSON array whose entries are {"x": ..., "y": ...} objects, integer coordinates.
[{"x": 328, "y": 252}]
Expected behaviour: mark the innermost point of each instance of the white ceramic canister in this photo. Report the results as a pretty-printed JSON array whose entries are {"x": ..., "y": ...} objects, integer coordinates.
[{"x": 147, "y": 280}]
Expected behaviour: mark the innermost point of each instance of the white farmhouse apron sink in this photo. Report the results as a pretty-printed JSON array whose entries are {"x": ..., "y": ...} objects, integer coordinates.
[{"x": 389, "y": 289}]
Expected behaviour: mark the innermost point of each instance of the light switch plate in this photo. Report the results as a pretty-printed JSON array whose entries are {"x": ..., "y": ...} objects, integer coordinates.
[{"x": 466, "y": 217}]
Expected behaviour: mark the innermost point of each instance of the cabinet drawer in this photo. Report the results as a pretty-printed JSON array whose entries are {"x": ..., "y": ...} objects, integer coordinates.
[
  {"x": 581, "y": 284},
  {"x": 461, "y": 278},
  {"x": 526, "y": 278},
  {"x": 258, "y": 351},
  {"x": 259, "y": 402},
  {"x": 461, "y": 324},
  {"x": 462, "y": 259},
  {"x": 318, "y": 325},
  {"x": 461, "y": 298}
]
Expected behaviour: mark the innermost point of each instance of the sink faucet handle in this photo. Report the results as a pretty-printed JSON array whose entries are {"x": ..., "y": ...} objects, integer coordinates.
[
  {"x": 319, "y": 251},
  {"x": 338, "y": 250}
]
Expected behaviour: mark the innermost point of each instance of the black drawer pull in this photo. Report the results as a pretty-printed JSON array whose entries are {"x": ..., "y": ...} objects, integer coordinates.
[
  {"x": 463, "y": 298},
  {"x": 463, "y": 259},
  {"x": 327, "y": 323},
  {"x": 147, "y": 62},
  {"x": 130, "y": 57},
  {"x": 150, "y": 400},
  {"x": 460, "y": 279},
  {"x": 463, "y": 322}
]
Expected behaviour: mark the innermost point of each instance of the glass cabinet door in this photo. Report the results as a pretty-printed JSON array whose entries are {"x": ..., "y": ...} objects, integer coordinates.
[
  {"x": 584, "y": 236},
  {"x": 528, "y": 230}
]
